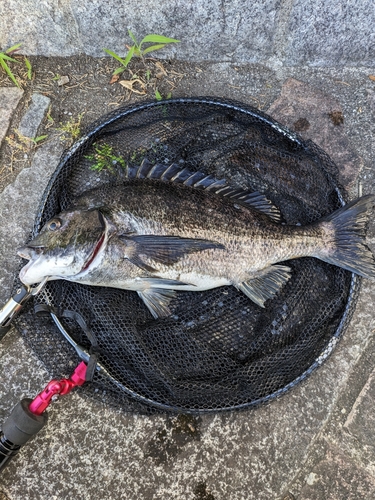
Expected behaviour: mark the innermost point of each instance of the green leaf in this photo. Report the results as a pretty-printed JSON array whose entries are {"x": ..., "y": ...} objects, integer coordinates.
[
  {"x": 7, "y": 58},
  {"x": 153, "y": 47},
  {"x": 133, "y": 38},
  {"x": 114, "y": 55},
  {"x": 118, "y": 70},
  {"x": 128, "y": 57},
  {"x": 13, "y": 48},
  {"x": 158, "y": 95},
  {"x": 9, "y": 73},
  {"x": 158, "y": 39},
  {"x": 29, "y": 68},
  {"x": 39, "y": 138}
]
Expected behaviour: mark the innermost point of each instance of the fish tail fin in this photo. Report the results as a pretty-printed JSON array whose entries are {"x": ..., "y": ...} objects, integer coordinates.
[{"x": 349, "y": 249}]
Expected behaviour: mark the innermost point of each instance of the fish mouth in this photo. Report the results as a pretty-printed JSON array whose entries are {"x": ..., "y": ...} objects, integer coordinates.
[
  {"x": 29, "y": 252},
  {"x": 32, "y": 254}
]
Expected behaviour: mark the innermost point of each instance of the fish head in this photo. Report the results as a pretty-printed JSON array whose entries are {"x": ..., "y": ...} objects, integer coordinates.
[{"x": 66, "y": 245}]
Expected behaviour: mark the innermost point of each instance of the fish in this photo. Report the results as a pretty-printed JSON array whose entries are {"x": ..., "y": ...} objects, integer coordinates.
[{"x": 166, "y": 229}]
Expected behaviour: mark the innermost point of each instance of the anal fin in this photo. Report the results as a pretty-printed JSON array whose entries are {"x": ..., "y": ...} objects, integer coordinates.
[
  {"x": 266, "y": 284},
  {"x": 157, "y": 301}
]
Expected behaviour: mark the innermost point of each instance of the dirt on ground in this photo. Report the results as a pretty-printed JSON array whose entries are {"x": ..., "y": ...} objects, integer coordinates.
[{"x": 83, "y": 88}]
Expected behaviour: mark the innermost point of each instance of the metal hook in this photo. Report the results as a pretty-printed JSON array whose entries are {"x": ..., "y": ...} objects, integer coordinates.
[
  {"x": 16, "y": 303},
  {"x": 38, "y": 288}
]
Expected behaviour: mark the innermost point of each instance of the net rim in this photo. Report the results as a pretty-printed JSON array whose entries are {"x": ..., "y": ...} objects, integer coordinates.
[{"x": 94, "y": 130}]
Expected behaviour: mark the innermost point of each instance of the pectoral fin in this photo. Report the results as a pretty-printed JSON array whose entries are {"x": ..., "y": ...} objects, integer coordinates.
[
  {"x": 165, "y": 250},
  {"x": 265, "y": 285}
]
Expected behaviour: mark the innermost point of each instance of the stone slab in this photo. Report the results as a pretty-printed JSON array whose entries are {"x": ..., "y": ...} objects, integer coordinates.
[
  {"x": 318, "y": 117},
  {"x": 361, "y": 420},
  {"x": 333, "y": 33},
  {"x": 9, "y": 99},
  {"x": 216, "y": 30},
  {"x": 265, "y": 31},
  {"x": 18, "y": 205},
  {"x": 355, "y": 433},
  {"x": 34, "y": 115},
  {"x": 336, "y": 477},
  {"x": 45, "y": 28},
  {"x": 16, "y": 381}
]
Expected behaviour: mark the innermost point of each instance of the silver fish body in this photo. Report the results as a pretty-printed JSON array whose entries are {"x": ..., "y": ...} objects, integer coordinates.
[{"x": 156, "y": 237}]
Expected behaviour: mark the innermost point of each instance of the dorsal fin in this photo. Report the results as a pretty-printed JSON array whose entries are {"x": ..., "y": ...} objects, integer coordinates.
[
  {"x": 182, "y": 175},
  {"x": 259, "y": 202}
]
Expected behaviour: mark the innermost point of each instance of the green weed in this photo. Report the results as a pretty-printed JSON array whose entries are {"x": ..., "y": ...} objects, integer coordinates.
[
  {"x": 159, "y": 97},
  {"x": 71, "y": 130},
  {"x": 29, "y": 68},
  {"x": 23, "y": 143},
  {"x": 105, "y": 159},
  {"x": 37, "y": 140},
  {"x": 157, "y": 42},
  {"x": 5, "y": 59}
]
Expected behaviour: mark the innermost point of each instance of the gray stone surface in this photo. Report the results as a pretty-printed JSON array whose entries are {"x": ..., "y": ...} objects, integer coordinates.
[
  {"x": 34, "y": 115},
  {"x": 371, "y": 100},
  {"x": 351, "y": 427},
  {"x": 18, "y": 204},
  {"x": 9, "y": 99},
  {"x": 318, "y": 117},
  {"x": 290, "y": 33},
  {"x": 215, "y": 30},
  {"x": 17, "y": 374},
  {"x": 46, "y": 28},
  {"x": 361, "y": 420},
  {"x": 331, "y": 33},
  {"x": 336, "y": 477},
  {"x": 300, "y": 444}
]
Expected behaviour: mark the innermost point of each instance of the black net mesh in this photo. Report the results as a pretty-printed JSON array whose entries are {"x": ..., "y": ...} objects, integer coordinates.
[{"x": 218, "y": 350}]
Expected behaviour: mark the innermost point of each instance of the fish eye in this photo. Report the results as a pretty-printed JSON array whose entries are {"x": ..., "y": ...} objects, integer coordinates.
[{"x": 54, "y": 224}]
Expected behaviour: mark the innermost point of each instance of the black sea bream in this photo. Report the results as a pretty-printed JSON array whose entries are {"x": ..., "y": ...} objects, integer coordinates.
[{"x": 155, "y": 237}]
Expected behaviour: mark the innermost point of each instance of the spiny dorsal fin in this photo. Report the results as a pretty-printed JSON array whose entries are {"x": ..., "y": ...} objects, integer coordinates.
[
  {"x": 177, "y": 173},
  {"x": 259, "y": 202},
  {"x": 148, "y": 170}
]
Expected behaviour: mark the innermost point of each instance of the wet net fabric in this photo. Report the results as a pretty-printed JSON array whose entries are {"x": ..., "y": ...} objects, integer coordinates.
[{"x": 218, "y": 350}]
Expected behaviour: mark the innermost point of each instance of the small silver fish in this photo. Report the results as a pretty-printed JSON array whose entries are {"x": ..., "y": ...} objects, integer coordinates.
[{"x": 173, "y": 230}]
